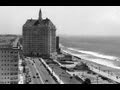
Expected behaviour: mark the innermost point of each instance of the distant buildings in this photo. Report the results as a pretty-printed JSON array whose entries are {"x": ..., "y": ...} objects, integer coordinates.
[
  {"x": 39, "y": 37},
  {"x": 9, "y": 56}
]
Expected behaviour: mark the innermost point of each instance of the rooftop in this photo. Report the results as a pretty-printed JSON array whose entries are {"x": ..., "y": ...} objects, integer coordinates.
[
  {"x": 39, "y": 22},
  {"x": 35, "y": 22},
  {"x": 7, "y": 40}
]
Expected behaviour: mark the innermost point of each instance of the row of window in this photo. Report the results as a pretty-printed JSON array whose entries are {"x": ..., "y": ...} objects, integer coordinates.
[
  {"x": 3, "y": 82},
  {"x": 5, "y": 78},
  {"x": 7, "y": 82},
  {"x": 7, "y": 51},
  {"x": 12, "y": 73},
  {"x": 11, "y": 78},
  {"x": 10, "y": 69},
  {"x": 9, "y": 64},
  {"x": 8, "y": 60},
  {"x": 6, "y": 56}
]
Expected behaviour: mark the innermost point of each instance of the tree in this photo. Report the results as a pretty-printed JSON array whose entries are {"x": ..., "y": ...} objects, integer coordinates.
[{"x": 87, "y": 81}]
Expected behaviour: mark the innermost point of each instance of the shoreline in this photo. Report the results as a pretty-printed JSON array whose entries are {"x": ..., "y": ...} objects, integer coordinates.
[
  {"x": 102, "y": 67},
  {"x": 92, "y": 53},
  {"x": 106, "y": 60},
  {"x": 101, "y": 70}
]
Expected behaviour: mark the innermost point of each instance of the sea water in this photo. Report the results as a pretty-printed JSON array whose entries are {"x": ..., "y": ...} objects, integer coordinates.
[{"x": 107, "y": 49}]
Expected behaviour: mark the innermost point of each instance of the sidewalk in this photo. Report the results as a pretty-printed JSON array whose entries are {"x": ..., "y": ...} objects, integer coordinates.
[
  {"x": 21, "y": 75},
  {"x": 54, "y": 74}
]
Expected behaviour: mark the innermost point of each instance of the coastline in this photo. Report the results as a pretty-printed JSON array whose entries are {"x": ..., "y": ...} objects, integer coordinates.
[
  {"x": 103, "y": 67},
  {"x": 108, "y": 64},
  {"x": 102, "y": 70}
]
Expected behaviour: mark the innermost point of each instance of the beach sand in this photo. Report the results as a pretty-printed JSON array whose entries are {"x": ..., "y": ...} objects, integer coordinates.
[{"x": 102, "y": 67}]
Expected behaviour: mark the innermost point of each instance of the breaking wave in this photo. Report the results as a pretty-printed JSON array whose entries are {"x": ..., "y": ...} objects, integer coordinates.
[
  {"x": 106, "y": 60},
  {"x": 96, "y": 54}
]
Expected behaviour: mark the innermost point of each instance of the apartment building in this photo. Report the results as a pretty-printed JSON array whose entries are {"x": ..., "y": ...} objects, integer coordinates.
[{"x": 9, "y": 57}]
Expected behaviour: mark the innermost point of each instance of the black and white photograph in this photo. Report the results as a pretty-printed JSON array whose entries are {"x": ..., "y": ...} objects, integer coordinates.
[{"x": 59, "y": 44}]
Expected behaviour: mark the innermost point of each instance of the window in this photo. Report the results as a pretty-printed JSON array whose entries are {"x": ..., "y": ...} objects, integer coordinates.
[
  {"x": 15, "y": 64},
  {"x": 13, "y": 82},
  {"x": 11, "y": 52}
]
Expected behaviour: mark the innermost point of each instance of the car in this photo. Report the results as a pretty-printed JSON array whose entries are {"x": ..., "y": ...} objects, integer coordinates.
[
  {"x": 37, "y": 74},
  {"x": 34, "y": 77},
  {"x": 38, "y": 77},
  {"x": 46, "y": 80}
]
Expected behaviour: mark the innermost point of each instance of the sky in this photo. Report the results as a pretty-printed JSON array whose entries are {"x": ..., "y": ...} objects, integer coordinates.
[{"x": 69, "y": 20}]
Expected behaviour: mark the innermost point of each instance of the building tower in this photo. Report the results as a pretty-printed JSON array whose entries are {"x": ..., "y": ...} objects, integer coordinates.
[
  {"x": 40, "y": 15},
  {"x": 39, "y": 37}
]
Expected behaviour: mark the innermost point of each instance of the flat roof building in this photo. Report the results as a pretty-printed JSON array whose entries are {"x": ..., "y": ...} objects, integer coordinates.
[
  {"x": 9, "y": 57},
  {"x": 39, "y": 37}
]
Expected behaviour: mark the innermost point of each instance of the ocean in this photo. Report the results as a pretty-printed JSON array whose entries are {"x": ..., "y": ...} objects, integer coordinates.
[
  {"x": 103, "y": 45},
  {"x": 107, "y": 48}
]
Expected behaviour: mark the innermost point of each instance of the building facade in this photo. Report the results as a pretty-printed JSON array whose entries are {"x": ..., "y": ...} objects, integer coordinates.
[
  {"x": 9, "y": 57},
  {"x": 39, "y": 37}
]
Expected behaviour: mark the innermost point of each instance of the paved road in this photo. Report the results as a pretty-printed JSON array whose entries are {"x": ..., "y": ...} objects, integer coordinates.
[
  {"x": 47, "y": 78},
  {"x": 33, "y": 72},
  {"x": 37, "y": 67}
]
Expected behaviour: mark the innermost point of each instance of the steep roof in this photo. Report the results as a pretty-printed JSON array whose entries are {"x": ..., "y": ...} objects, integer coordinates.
[
  {"x": 30, "y": 22},
  {"x": 39, "y": 22},
  {"x": 34, "y": 22}
]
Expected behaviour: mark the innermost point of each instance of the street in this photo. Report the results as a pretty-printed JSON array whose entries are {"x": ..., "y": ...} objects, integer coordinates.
[
  {"x": 39, "y": 73},
  {"x": 33, "y": 73}
]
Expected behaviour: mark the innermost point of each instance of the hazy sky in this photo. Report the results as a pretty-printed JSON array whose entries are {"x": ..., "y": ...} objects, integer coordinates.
[{"x": 70, "y": 20}]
